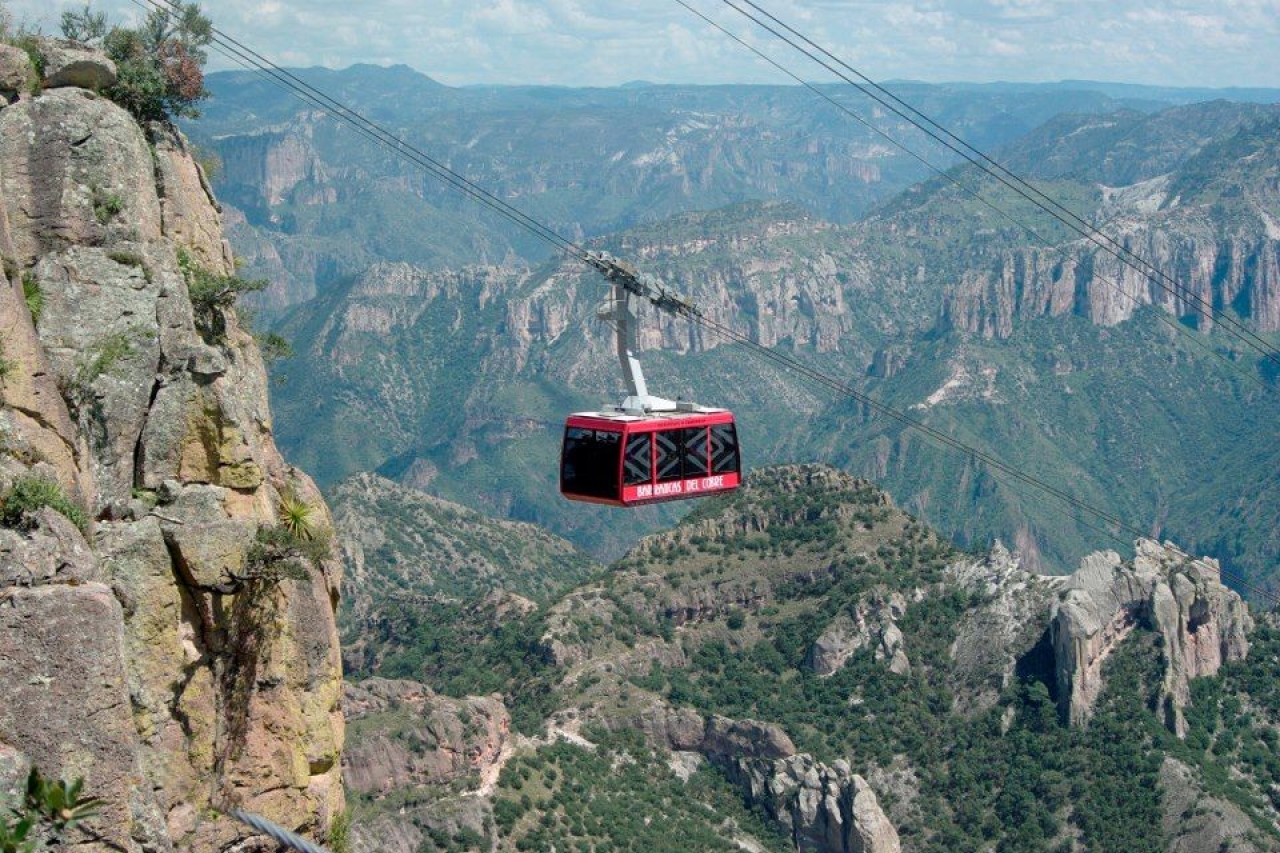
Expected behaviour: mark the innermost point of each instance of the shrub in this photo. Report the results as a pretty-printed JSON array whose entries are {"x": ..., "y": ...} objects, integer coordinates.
[
  {"x": 277, "y": 554},
  {"x": 128, "y": 259},
  {"x": 297, "y": 516},
  {"x": 212, "y": 294},
  {"x": 274, "y": 347},
  {"x": 30, "y": 42},
  {"x": 50, "y": 808},
  {"x": 340, "y": 832},
  {"x": 106, "y": 205},
  {"x": 33, "y": 295},
  {"x": 31, "y": 493},
  {"x": 160, "y": 64},
  {"x": 84, "y": 25},
  {"x": 6, "y": 365}
]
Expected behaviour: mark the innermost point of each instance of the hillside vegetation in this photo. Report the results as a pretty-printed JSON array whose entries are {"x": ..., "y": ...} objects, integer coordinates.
[{"x": 805, "y": 632}]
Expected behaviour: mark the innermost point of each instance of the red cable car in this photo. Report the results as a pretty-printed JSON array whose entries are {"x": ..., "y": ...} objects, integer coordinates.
[
  {"x": 626, "y": 460},
  {"x": 646, "y": 449}
]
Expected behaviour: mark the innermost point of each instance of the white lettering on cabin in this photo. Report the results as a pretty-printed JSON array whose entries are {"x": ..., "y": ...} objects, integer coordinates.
[{"x": 677, "y": 487}]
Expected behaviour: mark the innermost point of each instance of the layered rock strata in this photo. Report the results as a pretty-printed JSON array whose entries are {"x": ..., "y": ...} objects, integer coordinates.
[{"x": 147, "y": 650}]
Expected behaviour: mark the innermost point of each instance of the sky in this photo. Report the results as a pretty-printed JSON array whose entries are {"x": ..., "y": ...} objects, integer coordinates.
[{"x": 1210, "y": 43}]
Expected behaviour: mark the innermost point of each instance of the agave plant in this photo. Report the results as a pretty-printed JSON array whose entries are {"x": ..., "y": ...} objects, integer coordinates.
[
  {"x": 50, "y": 807},
  {"x": 59, "y": 802},
  {"x": 297, "y": 516}
]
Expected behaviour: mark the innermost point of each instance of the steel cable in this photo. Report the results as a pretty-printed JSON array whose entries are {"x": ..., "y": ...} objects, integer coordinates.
[
  {"x": 1007, "y": 178},
  {"x": 375, "y": 133}
]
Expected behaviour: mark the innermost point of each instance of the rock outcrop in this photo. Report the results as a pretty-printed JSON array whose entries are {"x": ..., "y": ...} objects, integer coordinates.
[
  {"x": 444, "y": 740},
  {"x": 441, "y": 756},
  {"x": 156, "y": 650},
  {"x": 870, "y": 624},
  {"x": 828, "y": 809},
  {"x": 823, "y": 808},
  {"x": 1203, "y": 624},
  {"x": 1192, "y": 821},
  {"x": 1003, "y": 635}
]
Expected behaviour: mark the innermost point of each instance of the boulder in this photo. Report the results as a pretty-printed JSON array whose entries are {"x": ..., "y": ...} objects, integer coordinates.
[
  {"x": 70, "y": 64},
  {"x": 17, "y": 74}
]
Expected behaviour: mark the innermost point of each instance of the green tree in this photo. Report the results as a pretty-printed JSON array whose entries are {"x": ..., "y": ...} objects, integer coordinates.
[
  {"x": 160, "y": 64},
  {"x": 84, "y": 25}
]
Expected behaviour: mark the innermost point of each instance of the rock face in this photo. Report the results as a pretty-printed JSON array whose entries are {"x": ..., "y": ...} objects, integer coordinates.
[
  {"x": 829, "y": 809},
  {"x": 1203, "y": 623},
  {"x": 870, "y": 624},
  {"x": 150, "y": 652},
  {"x": 1202, "y": 261},
  {"x": 1000, "y": 636},
  {"x": 445, "y": 753},
  {"x": 445, "y": 740}
]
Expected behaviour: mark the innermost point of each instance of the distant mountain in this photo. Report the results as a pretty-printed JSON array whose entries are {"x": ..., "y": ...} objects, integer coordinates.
[
  {"x": 937, "y": 301},
  {"x": 315, "y": 203},
  {"x": 1167, "y": 95}
]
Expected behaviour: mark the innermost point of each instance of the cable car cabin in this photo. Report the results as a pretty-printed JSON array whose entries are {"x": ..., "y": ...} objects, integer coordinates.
[{"x": 626, "y": 460}]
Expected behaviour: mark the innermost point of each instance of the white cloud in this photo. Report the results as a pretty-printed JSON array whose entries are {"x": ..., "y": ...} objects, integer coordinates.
[{"x": 605, "y": 42}]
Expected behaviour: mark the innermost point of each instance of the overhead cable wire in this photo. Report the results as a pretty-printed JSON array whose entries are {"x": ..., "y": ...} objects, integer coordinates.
[
  {"x": 1012, "y": 182},
  {"x": 370, "y": 129},
  {"x": 995, "y": 466},
  {"x": 286, "y": 838},
  {"x": 377, "y": 134},
  {"x": 1000, "y": 170},
  {"x": 976, "y": 194}
]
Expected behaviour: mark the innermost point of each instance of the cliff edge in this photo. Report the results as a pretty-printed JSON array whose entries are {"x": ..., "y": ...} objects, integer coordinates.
[{"x": 168, "y": 633}]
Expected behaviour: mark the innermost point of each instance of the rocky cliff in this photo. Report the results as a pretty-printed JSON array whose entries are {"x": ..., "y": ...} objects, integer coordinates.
[
  {"x": 1202, "y": 623},
  {"x": 1202, "y": 214},
  {"x": 160, "y": 634}
]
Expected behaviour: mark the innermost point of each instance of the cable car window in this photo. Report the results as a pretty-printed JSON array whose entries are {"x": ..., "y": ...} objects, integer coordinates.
[
  {"x": 667, "y": 443},
  {"x": 695, "y": 452},
  {"x": 589, "y": 463},
  {"x": 724, "y": 449},
  {"x": 637, "y": 464}
]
